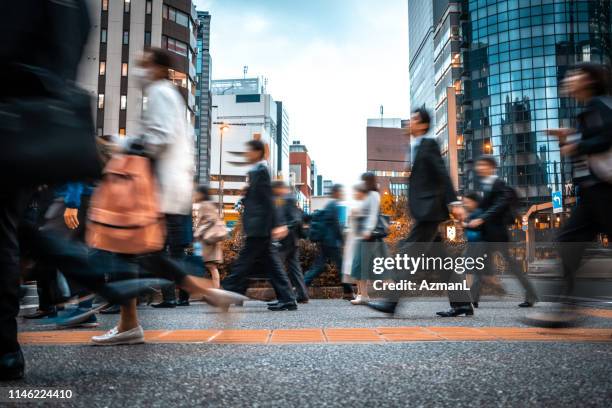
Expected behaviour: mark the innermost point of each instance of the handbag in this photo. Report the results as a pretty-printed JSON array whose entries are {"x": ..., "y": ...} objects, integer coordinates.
[
  {"x": 382, "y": 227},
  {"x": 215, "y": 232},
  {"x": 48, "y": 135}
]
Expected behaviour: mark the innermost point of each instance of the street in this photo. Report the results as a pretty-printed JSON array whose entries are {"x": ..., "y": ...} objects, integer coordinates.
[{"x": 196, "y": 356}]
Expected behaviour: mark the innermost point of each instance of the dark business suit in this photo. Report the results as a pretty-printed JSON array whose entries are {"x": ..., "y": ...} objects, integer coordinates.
[
  {"x": 258, "y": 220},
  {"x": 289, "y": 251},
  {"x": 430, "y": 191},
  {"x": 331, "y": 246},
  {"x": 496, "y": 207}
]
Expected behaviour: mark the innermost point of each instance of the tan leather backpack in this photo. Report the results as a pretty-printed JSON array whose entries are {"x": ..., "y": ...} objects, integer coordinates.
[{"x": 124, "y": 215}]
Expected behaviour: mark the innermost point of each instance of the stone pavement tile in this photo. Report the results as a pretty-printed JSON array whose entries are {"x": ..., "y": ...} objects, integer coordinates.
[
  {"x": 283, "y": 336},
  {"x": 461, "y": 333},
  {"x": 542, "y": 334},
  {"x": 58, "y": 337},
  {"x": 180, "y": 336},
  {"x": 352, "y": 335},
  {"x": 408, "y": 334},
  {"x": 241, "y": 336}
]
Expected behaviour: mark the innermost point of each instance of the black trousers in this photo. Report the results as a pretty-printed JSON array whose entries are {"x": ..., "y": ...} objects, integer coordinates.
[
  {"x": 12, "y": 206},
  {"x": 421, "y": 239},
  {"x": 291, "y": 258},
  {"x": 590, "y": 217},
  {"x": 501, "y": 248},
  {"x": 331, "y": 255},
  {"x": 178, "y": 236},
  {"x": 259, "y": 251}
]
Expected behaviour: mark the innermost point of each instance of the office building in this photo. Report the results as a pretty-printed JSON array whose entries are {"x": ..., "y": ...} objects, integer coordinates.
[
  {"x": 319, "y": 189},
  {"x": 515, "y": 55},
  {"x": 282, "y": 140},
  {"x": 122, "y": 30},
  {"x": 242, "y": 111},
  {"x": 203, "y": 98},
  {"x": 327, "y": 187},
  {"x": 420, "y": 53},
  {"x": 388, "y": 151}
]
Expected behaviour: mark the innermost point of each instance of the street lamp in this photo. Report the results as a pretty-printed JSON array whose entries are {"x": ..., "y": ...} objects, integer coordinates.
[{"x": 222, "y": 128}]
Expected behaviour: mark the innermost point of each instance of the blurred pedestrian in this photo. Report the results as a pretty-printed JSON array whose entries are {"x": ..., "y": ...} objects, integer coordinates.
[
  {"x": 332, "y": 241},
  {"x": 289, "y": 252},
  {"x": 261, "y": 227},
  {"x": 210, "y": 231},
  {"x": 430, "y": 195},
  {"x": 498, "y": 200}
]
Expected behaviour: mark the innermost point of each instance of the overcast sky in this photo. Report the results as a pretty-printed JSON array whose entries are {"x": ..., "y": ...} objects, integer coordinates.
[{"x": 331, "y": 62}]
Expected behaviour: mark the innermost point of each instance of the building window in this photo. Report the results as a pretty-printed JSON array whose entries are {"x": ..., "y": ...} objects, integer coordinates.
[
  {"x": 123, "y": 104},
  {"x": 147, "y": 39},
  {"x": 126, "y": 6},
  {"x": 104, "y": 5},
  {"x": 173, "y": 45},
  {"x": 172, "y": 14},
  {"x": 149, "y": 7},
  {"x": 100, "y": 131},
  {"x": 124, "y": 69},
  {"x": 126, "y": 37},
  {"x": 102, "y": 67},
  {"x": 103, "y": 36},
  {"x": 122, "y": 131},
  {"x": 100, "y": 101},
  {"x": 144, "y": 103}
]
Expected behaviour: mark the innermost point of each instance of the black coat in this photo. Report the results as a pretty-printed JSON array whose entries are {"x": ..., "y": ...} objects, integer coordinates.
[
  {"x": 290, "y": 215},
  {"x": 496, "y": 206},
  {"x": 430, "y": 189},
  {"x": 595, "y": 125},
  {"x": 259, "y": 216}
]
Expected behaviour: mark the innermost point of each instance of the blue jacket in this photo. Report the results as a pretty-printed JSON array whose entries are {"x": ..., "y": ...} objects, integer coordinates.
[
  {"x": 333, "y": 231},
  {"x": 72, "y": 192}
]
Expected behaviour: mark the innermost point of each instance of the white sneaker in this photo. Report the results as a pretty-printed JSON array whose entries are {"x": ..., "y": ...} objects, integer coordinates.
[
  {"x": 360, "y": 300},
  {"x": 114, "y": 338}
]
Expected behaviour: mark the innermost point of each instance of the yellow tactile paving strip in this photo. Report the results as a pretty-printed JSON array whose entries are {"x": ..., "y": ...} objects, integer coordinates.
[{"x": 335, "y": 335}]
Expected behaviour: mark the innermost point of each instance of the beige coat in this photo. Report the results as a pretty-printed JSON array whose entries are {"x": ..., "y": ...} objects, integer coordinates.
[{"x": 206, "y": 213}]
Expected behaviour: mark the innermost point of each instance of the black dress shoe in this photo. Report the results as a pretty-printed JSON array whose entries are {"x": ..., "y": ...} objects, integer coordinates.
[
  {"x": 11, "y": 366},
  {"x": 165, "y": 304},
  {"x": 273, "y": 303},
  {"x": 304, "y": 300},
  {"x": 182, "y": 303},
  {"x": 457, "y": 311},
  {"x": 384, "y": 306},
  {"x": 475, "y": 304},
  {"x": 39, "y": 314},
  {"x": 112, "y": 309},
  {"x": 526, "y": 304},
  {"x": 283, "y": 306}
]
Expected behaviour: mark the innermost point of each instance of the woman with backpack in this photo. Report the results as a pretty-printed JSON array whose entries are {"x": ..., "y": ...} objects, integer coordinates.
[{"x": 210, "y": 232}]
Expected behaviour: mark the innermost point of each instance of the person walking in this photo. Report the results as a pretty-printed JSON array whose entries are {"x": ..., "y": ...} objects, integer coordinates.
[
  {"x": 496, "y": 214},
  {"x": 261, "y": 227},
  {"x": 588, "y": 146},
  {"x": 330, "y": 250},
  {"x": 366, "y": 246},
  {"x": 289, "y": 251},
  {"x": 209, "y": 232},
  {"x": 167, "y": 139},
  {"x": 430, "y": 194}
]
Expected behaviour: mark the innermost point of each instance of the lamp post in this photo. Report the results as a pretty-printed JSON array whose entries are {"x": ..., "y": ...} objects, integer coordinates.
[{"x": 222, "y": 128}]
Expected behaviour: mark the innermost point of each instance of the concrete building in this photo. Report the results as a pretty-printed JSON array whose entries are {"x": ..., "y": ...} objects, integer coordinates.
[
  {"x": 282, "y": 141},
  {"x": 242, "y": 111},
  {"x": 327, "y": 187},
  {"x": 300, "y": 169},
  {"x": 121, "y": 31},
  {"x": 388, "y": 155},
  {"x": 203, "y": 98}
]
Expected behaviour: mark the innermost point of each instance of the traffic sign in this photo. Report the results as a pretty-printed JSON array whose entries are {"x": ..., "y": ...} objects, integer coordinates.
[{"x": 557, "y": 202}]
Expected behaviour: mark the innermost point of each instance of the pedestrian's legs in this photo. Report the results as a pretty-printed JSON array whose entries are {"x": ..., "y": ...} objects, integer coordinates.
[
  {"x": 294, "y": 271},
  {"x": 515, "y": 269},
  {"x": 236, "y": 281},
  {"x": 278, "y": 277},
  {"x": 214, "y": 273},
  {"x": 476, "y": 286},
  {"x": 334, "y": 255},
  {"x": 317, "y": 267}
]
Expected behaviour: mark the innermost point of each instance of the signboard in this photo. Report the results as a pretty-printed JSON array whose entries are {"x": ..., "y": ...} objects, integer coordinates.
[{"x": 557, "y": 202}]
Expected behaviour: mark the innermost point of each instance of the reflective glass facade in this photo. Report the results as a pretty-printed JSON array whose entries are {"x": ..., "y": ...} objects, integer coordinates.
[{"x": 515, "y": 54}]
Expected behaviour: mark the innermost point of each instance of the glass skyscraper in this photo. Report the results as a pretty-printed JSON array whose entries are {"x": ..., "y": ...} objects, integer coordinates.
[
  {"x": 203, "y": 98},
  {"x": 515, "y": 54}
]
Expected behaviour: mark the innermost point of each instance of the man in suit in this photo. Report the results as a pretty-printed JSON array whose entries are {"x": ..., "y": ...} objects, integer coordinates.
[
  {"x": 430, "y": 195},
  {"x": 261, "y": 227},
  {"x": 496, "y": 206},
  {"x": 289, "y": 251},
  {"x": 331, "y": 244}
]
